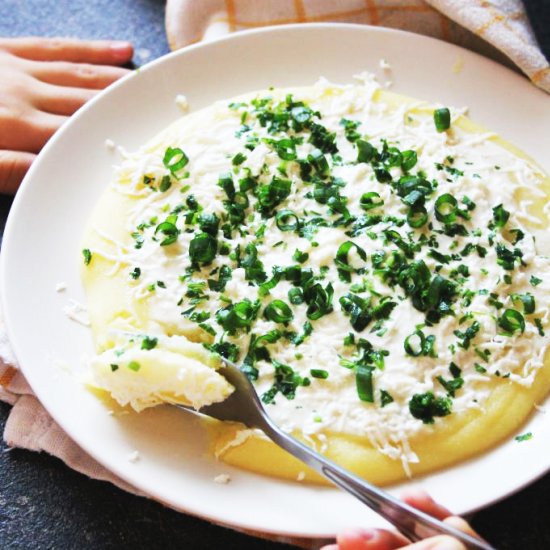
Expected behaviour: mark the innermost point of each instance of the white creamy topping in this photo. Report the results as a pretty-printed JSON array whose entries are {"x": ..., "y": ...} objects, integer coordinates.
[{"x": 458, "y": 163}]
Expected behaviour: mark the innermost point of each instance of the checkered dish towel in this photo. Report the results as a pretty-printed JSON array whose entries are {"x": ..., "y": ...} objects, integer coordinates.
[
  {"x": 498, "y": 29},
  {"x": 505, "y": 35}
]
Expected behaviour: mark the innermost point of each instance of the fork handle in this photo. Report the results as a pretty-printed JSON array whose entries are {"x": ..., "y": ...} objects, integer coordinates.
[{"x": 409, "y": 521}]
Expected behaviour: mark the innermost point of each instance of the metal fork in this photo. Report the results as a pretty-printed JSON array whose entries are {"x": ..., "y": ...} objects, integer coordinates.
[{"x": 244, "y": 405}]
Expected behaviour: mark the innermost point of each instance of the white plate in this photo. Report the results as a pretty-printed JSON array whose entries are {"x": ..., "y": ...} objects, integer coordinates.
[{"x": 41, "y": 248}]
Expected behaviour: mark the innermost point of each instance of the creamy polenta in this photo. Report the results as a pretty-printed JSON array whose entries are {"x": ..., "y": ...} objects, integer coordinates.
[{"x": 371, "y": 261}]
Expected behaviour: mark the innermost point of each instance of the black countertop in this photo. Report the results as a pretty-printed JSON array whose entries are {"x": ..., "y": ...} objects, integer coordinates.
[{"x": 44, "y": 504}]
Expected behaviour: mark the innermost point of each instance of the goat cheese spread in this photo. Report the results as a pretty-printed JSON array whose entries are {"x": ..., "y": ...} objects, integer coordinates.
[{"x": 370, "y": 261}]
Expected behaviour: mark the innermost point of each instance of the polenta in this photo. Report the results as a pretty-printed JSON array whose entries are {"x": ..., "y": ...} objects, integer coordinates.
[{"x": 371, "y": 261}]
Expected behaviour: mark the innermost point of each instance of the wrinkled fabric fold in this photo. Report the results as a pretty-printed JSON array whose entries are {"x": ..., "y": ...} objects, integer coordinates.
[{"x": 499, "y": 29}]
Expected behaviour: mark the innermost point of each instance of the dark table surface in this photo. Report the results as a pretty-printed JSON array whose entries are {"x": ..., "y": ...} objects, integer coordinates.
[{"x": 44, "y": 504}]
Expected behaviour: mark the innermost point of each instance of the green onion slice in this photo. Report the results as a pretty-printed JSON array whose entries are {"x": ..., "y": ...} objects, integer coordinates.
[
  {"x": 370, "y": 200},
  {"x": 415, "y": 343},
  {"x": 319, "y": 373},
  {"x": 363, "y": 381},
  {"x": 286, "y": 149},
  {"x": 409, "y": 160},
  {"x": 442, "y": 119},
  {"x": 278, "y": 312},
  {"x": 296, "y": 296},
  {"x": 512, "y": 321},
  {"x": 417, "y": 216},
  {"x": 365, "y": 151},
  {"x": 319, "y": 161},
  {"x": 446, "y": 207},
  {"x": 284, "y": 222},
  {"x": 170, "y": 231},
  {"x": 342, "y": 260},
  {"x": 203, "y": 248},
  {"x": 528, "y": 301},
  {"x": 87, "y": 256},
  {"x": 175, "y": 159}
]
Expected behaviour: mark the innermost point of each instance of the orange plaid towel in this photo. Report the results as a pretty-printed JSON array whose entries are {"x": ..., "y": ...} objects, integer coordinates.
[{"x": 496, "y": 28}]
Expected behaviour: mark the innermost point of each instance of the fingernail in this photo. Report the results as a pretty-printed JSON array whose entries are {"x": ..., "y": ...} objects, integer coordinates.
[
  {"x": 120, "y": 50},
  {"x": 358, "y": 535},
  {"x": 367, "y": 534},
  {"x": 447, "y": 543}
]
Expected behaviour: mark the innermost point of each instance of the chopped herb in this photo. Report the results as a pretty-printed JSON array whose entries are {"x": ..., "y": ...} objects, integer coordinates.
[
  {"x": 466, "y": 336},
  {"x": 238, "y": 159},
  {"x": 370, "y": 200},
  {"x": 524, "y": 437},
  {"x": 149, "y": 343},
  {"x": 446, "y": 208},
  {"x": 385, "y": 398},
  {"x": 134, "y": 365},
  {"x": 364, "y": 383},
  {"x": 506, "y": 258},
  {"x": 175, "y": 159},
  {"x": 318, "y": 299},
  {"x": 202, "y": 248},
  {"x": 224, "y": 276},
  {"x": 527, "y": 299},
  {"x": 409, "y": 160},
  {"x": 319, "y": 373},
  {"x": 225, "y": 349},
  {"x": 342, "y": 261},
  {"x": 253, "y": 266},
  {"x": 165, "y": 184},
  {"x": 278, "y": 312},
  {"x": 511, "y": 321},
  {"x": 483, "y": 354},
  {"x": 284, "y": 223},
  {"x": 169, "y": 230},
  {"x": 480, "y": 368},
  {"x": 87, "y": 256},
  {"x": 366, "y": 152},
  {"x": 425, "y": 406},
  {"x": 271, "y": 195},
  {"x": 500, "y": 217},
  {"x": 238, "y": 316},
  {"x": 538, "y": 324},
  {"x": 418, "y": 343},
  {"x": 300, "y": 257},
  {"x": 451, "y": 386},
  {"x": 135, "y": 273},
  {"x": 286, "y": 382},
  {"x": 442, "y": 119}
]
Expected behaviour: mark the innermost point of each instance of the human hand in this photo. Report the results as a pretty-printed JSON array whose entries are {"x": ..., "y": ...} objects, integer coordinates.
[
  {"x": 381, "y": 539},
  {"x": 42, "y": 82}
]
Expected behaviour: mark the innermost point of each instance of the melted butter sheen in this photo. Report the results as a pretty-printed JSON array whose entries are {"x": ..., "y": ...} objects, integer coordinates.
[{"x": 457, "y": 162}]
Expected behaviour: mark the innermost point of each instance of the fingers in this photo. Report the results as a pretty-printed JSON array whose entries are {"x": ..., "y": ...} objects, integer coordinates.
[
  {"x": 61, "y": 100},
  {"x": 442, "y": 542},
  {"x": 380, "y": 539},
  {"x": 370, "y": 539},
  {"x": 80, "y": 75},
  {"x": 28, "y": 133},
  {"x": 422, "y": 501},
  {"x": 461, "y": 525},
  {"x": 13, "y": 167},
  {"x": 66, "y": 49}
]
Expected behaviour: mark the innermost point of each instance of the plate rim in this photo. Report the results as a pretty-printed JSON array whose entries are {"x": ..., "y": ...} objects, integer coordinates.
[{"x": 27, "y": 188}]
